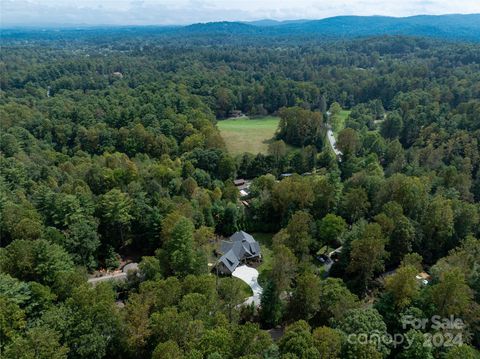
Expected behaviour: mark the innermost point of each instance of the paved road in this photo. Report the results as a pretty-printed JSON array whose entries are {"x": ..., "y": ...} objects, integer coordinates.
[{"x": 333, "y": 141}]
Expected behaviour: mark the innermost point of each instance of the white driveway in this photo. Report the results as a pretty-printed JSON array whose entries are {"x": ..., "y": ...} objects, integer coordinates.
[
  {"x": 333, "y": 142},
  {"x": 250, "y": 276}
]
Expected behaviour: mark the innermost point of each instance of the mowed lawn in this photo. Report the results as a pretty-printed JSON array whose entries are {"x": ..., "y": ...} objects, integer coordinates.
[
  {"x": 248, "y": 135},
  {"x": 343, "y": 117},
  {"x": 264, "y": 269}
]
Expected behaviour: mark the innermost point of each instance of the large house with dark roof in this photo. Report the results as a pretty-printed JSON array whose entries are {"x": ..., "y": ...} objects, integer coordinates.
[{"x": 240, "y": 248}]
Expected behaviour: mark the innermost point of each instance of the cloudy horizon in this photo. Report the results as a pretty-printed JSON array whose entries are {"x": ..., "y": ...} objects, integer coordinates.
[{"x": 182, "y": 12}]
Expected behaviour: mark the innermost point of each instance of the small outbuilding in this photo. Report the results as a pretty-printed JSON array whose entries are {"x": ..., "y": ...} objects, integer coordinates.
[
  {"x": 239, "y": 182},
  {"x": 424, "y": 278}
]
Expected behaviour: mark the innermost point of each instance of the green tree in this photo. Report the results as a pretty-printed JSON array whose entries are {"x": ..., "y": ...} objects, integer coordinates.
[
  {"x": 414, "y": 260},
  {"x": 334, "y": 301},
  {"x": 462, "y": 351},
  {"x": 299, "y": 230},
  {"x": 115, "y": 208},
  {"x": 366, "y": 322},
  {"x": 297, "y": 340},
  {"x": 12, "y": 322},
  {"x": 367, "y": 255},
  {"x": 394, "y": 157},
  {"x": 410, "y": 192},
  {"x": 292, "y": 193},
  {"x": 323, "y": 104},
  {"x": 284, "y": 266},
  {"x": 231, "y": 294},
  {"x": 278, "y": 150},
  {"x": 300, "y": 127},
  {"x": 88, "y": 321},
  {"x": 417, "y": 349},
  {"x": 452, "y": 295},
  {"x": 231, "y": 219},
  {"x": 167, "y": 350},
  {"x": 36, "y": 260},
  {"x": 361, "y": 351},
  {"x": 305, "y": 299},
  {"x": 391, "y": 127},
  {"x": 348, "y": 142},
  {"x": 82, "y": 241},
  {"x": 28, "y": 229},
  {"x": 401, "y": 239},
  {"x": 403, "y": 285},
  {"x": 271, "y": 311},
  {"x": 150, "y": 268},
  {"x": 438, "y": 227},
  {"x": 9, "y": 145},
  {"x": 217, "y": 340},
  {"x": 32, "y": 297},
  {"x": 183, "y": 258},
  {"x": 226, "y": 168},
  {"x": 250, "y": 341},
  {"x": 169, "y": 324},
  {"x": 330, "y": 228},
  {"x": 38, "y": 343},
  {"x": 355, "y": 204},
  {"x": 334, "y": 117},
  {"x": 328, "y": 342},
  {"x": 189, "y": 186}
]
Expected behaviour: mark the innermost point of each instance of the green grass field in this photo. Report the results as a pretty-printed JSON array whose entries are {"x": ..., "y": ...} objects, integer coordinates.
[
  {"x": 248, "y": 135},
  {"x": 265, "y": 240},
  {"x": 343, "y": 117}
]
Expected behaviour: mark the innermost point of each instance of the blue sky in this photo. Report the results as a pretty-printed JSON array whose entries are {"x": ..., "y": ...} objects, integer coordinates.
[{"x": 170, "y": 12}]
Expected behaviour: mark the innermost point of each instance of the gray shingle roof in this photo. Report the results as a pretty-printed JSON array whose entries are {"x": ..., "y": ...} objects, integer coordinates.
[
  {"x": 240, "y": 246},
  {"x": 230, "y": 260},
  {"x": 240, "y": 236}
]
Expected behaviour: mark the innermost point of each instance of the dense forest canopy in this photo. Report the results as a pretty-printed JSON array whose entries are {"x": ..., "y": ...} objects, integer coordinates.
[{"x": 110, "y": 152}]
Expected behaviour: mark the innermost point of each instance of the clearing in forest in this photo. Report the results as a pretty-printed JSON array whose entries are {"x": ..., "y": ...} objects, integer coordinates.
[
  {"x": 248, "y": 135},
  {"x": 343, "y": 115}
]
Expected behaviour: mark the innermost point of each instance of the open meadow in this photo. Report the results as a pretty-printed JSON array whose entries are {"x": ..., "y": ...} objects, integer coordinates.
[
  {"x": 342, "y": 118},
  {"x": 248, "y": 135}
]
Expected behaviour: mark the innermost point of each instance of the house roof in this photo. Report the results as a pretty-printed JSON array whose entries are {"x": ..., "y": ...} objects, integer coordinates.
[
  {"x": 230, "y": 260},
  {"x": 424, "y": 275},
  {"x": 240, "y": 236},
  {"x": 238, "y": 182},
  {"x": 240, "y": 246}
]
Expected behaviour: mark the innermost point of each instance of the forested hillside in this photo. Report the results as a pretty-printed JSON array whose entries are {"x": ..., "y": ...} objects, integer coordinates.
[
  {"x": 110, "y": 153},
  {"x": 465, "y": 27}
]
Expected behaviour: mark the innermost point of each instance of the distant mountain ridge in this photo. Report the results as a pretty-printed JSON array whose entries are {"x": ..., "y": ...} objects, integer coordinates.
[
  {"x": 465, "y": 27},
  {"x": 448, "y": 27},
  {"x": 270, "y": 22}
]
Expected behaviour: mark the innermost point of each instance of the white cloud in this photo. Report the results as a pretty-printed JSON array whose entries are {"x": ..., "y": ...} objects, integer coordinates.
[{"x": 142, "y": 12}]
